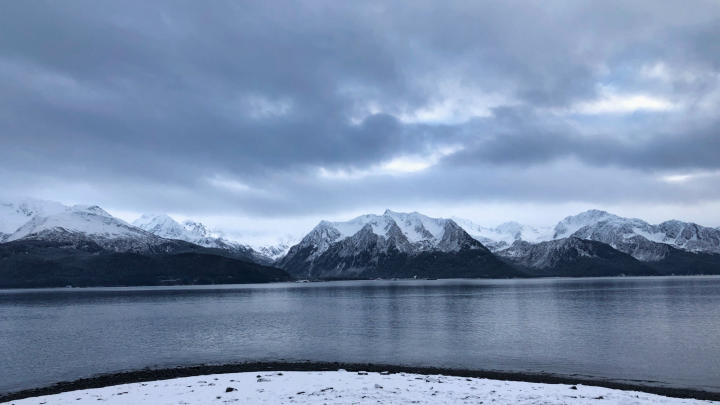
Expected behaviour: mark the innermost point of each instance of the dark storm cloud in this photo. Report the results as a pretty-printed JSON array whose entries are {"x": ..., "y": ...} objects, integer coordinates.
[{"x": 130, "y": 97}]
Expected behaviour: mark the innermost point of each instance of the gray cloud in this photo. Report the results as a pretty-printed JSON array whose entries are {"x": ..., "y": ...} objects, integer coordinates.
[
  {"x": 239, "y": 107},
  {"x": 522, "y": 136}
]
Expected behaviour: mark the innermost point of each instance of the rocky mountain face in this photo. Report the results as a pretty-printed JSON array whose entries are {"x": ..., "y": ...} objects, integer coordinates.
[
  {"x": 573, "y": 257},
  {"x": 671, "y": 247},
  {"x": 29, "y": 263},
  {"x": 391, "y": 245},
  {"x": 639, "y": 238},
  {"x": 274, "y": 251},
  {"x": 690, "y": 236}
]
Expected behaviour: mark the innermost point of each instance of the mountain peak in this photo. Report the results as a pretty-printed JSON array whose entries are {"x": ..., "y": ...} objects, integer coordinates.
[
  {"x": 165, "y": 226},
  {"x": 15, "y": 214},
  {"x": 197, "y": 228},
  {"x": 83, "y": 222},
  {"x": 161, "y": 225},
  {"x": 92, "y": 209},
  {"x": 572, "y": 223}
]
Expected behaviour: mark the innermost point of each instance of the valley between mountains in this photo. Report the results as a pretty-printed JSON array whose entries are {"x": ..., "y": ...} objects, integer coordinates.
[{"x": 47, "y": 244}]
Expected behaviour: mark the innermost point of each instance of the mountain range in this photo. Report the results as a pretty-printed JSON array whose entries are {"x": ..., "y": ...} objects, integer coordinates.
[
  {"x": 197, "y": 233},
  {"x": 392, "y": 245},
  {"x": 46, "y": 244},
  {"x": 49, "y": 244}
]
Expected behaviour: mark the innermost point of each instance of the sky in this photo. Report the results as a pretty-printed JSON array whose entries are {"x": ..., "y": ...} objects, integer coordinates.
[{"x": 261, "y": 118}]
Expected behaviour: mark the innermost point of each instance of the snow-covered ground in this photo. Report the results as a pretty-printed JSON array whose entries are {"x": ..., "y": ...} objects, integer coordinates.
[{"x": 341, "y": 387}]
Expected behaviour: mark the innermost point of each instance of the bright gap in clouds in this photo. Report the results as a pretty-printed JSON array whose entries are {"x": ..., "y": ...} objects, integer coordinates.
[
  {"x": 228, "y": 184},
  {"x": 449, "y": 102},
  {"x": 611, "y": 101},
  {"x": 688, "y": 177},
  {"x": 405, "y": 164}
]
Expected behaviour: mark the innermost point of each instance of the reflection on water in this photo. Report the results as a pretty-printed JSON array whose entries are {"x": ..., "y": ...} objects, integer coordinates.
[{"x": 657, "y": 329}]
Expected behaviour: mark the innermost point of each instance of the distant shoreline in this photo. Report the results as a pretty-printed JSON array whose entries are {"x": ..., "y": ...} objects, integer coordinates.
[
  {"x": 80, "y": 287},
  {"x": 146, "y": 375}
]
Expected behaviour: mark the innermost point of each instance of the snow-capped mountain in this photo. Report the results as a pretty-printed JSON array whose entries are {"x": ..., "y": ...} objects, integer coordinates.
[
  {"x": 84, "y": 245},
  {"x": 197, "y": 233},
  {"x": 411, "y": 232},
  {"x": 162, "y": 225},
  {"x": 393, "y": 244},
  {"x": 386, "y": 246},
  {"x": 81, "y": 224},
  {"x": 13, "y": 215},
  {"x": 274, "y": 252},
  {"x": 278, "y": 248},
  {"x": 690, "y": 236},
  {"x": 572, "y": 257},
  {"x": 644, "y": 241},
  {"x": 503, "y": 235},
  {"x": 190, "y": 231},
  {"x": 672, "y": 247},
  {"x": 572, "y": 223},
  {"x": 639, "y": 238}
]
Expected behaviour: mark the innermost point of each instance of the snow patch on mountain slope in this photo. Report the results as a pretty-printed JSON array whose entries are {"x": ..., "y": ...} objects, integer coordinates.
[{"x": 418, "y": 227}]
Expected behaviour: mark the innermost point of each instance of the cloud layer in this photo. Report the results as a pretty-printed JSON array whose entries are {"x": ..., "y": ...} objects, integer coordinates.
[{"x": 297, "y": 108}]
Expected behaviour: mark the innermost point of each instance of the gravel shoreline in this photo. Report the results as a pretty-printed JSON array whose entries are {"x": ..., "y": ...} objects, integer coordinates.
[{"x": 146, "y": 375}]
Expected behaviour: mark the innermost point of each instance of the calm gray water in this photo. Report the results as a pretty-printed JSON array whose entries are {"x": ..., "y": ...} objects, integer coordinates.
[{"x": 665, "y": 330}]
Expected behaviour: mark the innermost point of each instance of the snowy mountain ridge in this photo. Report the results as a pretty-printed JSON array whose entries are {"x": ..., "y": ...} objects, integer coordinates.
[
  {"x": 80, "y": 224},
  {"x": 276, "y": 249},
  {"x": 190, "y": 231},
  {"x": 31, "y": 219},
  {"x": 574, "y": 257},
  {"x": 503, "y": 235},
  {"x": 393, "y": 244},
  {"x": 409, "y": 232},
  {"x": 197, "y": 233},
  {"x": 644, "y": 241},
  {"x": 638, "y": 238},
  {"x": 13, "y": 215}
]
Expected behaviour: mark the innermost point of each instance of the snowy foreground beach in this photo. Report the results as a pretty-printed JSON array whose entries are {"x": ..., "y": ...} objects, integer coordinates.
[{"x": 344, "y": 387}]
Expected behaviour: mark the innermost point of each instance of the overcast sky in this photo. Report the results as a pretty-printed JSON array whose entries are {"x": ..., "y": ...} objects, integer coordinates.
[{"x": 264, "y": 117}]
